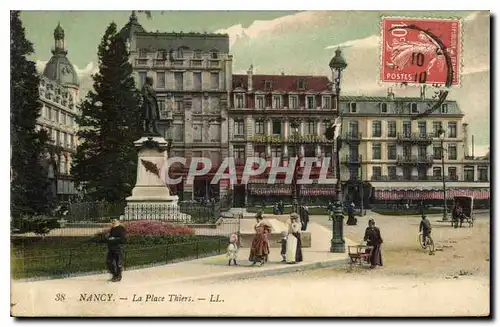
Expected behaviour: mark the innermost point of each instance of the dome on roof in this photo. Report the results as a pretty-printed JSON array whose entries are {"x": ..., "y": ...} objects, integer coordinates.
[
  {"x": 131, "y": 27},
  {"x": 59, "y": 69}
]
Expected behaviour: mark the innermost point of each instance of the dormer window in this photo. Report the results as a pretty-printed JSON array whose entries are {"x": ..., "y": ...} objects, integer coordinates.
[
  {"x": 240, "y": 101},
  {"x": 268, "y": 85},
  {"x": 301, "y": 84},
  {"x": 197, "y": 54},
  {"x": 214, "y": 55},
  {"x": 143, "y": 53},
  {"x": 180, "y": 53},
  {"x": 260, "y": 101},
  {"x": 383, "y": 108},
  {"x": 444, "y": 108},
  {"x": 414, "y": 108},
  {"x": 352, "y": 107}
]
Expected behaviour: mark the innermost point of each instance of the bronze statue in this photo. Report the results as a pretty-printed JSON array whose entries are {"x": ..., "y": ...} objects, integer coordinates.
[{"x": 150, "y": 107}]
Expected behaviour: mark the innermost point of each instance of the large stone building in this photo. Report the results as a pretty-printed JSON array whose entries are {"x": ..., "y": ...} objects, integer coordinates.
[
  {"x": 397, "y": 153},
  {"x": 59, "y": 95},
  {"x": 262, "y": 114},
  {"x": 192, "y": 78}
]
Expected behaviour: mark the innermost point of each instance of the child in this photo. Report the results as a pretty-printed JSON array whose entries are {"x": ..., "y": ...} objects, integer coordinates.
[
  {"x": 232, "y": 249},
  {"x": 283, "y": 245}
]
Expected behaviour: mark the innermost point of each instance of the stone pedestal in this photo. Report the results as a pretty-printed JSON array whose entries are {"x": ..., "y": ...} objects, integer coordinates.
[{"x": 151, "y": 197}]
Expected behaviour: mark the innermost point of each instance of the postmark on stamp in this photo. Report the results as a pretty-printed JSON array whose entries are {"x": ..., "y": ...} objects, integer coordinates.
[{"x": 421, "y": 51}]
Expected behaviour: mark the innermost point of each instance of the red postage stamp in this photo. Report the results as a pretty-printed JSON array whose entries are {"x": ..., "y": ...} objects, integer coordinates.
[{"x": 421, "y": 51}]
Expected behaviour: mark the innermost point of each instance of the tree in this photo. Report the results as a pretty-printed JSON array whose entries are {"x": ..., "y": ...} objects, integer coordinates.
[
  {"x": 106, "y": 160},
  {"x": 30, "y": 187}
]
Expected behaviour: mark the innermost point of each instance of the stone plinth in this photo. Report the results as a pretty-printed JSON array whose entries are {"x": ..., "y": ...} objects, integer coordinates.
[{"x": 151, "y": 197}]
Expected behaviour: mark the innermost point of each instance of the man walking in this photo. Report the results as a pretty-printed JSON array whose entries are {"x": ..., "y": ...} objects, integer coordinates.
[
  {"x": 116, "y": 241},
  {"x": 425, "y": 228}
]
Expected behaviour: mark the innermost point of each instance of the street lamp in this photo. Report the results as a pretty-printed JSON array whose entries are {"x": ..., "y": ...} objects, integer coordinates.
[
  {"x": 295, "y": 124},
  {"x": 337, "y": 65},
  {"x": 442, "y": 135}
]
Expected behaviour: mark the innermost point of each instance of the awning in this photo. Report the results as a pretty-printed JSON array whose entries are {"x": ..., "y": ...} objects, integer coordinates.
[{"x": 432, "y": 194}]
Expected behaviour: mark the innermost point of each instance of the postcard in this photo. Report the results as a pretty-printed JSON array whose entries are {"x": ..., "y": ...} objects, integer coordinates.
[{"x": 250, "y": 163}]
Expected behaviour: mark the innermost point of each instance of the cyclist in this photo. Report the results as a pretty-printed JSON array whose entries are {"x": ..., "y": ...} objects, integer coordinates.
[{"x": 425, "y": 228}]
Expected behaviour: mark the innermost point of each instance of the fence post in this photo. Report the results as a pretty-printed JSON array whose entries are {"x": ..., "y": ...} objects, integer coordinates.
[
  {"x": 218, "y": 246},
  {"x": 166, "y": 255},
  {"x": 197, "y": 250},
  {"x": 69, "y": 261}
]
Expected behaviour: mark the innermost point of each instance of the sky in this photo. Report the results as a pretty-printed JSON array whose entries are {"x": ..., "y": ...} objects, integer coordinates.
[{"x": 286, "y": 41}]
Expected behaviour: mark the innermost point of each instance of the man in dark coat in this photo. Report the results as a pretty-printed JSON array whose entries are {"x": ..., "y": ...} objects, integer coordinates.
[
  {"x": 425, "y": 228},
  {"x": 373, "y": 238},
  {"x": 116, "y": 250},
  {"x": 304, "y": 217},
  {"x": 351, "y": 220}
]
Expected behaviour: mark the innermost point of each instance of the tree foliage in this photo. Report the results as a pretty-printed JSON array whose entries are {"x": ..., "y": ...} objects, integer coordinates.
[
  {"x": 106, "y": 160},
  {"x": 30, "y": 187}
]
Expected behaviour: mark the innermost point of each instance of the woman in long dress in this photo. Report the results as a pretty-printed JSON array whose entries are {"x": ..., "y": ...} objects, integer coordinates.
[
  {"x": 373, "y": 238},
  {"x": 259, "y": 250},
  {"x": 294, "y": 244}
]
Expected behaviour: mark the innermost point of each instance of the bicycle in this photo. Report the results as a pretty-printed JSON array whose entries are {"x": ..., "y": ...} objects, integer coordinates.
[{"x": 429, "y": 242}]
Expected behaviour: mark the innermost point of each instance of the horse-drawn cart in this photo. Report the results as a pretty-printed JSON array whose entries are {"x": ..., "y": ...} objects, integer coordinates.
[
  {"x": 359, "y": 254},
  {"x": 462, "y": 211}
]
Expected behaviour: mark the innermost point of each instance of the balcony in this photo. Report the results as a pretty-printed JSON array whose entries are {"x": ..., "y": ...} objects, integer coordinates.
[
  {"x": 279, "y": 139},
  {"x": 415, "y": 138},
  {"x": 351, "y": 138},
  {"x": 141, "y": 62},
  {"x": 415, "y": 178},
  {"x": 196, "y": 63},
  {"x": 159, "y": 62},
  {"x": 414, "y": 160},
  {"x": 214, "y": 64},
  {"x": 349, "y": 160}
]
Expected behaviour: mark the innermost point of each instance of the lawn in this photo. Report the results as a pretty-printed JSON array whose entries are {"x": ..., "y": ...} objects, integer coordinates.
[{"x": 64, "y": 256}]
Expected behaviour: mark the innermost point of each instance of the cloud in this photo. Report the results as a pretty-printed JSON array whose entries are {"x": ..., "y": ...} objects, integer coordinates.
[{"x": 368, "y": 42}]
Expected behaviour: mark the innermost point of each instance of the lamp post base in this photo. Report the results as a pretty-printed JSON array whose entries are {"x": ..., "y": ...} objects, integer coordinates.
[
  {"x": 338, "y": 243},
  {"x": 445, "y": 216}
]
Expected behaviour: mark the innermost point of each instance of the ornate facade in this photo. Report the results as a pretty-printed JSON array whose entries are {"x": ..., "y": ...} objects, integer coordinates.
[{"x": 58, "y": 89}]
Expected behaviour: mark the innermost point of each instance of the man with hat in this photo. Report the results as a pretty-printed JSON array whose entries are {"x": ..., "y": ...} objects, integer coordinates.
[{"x": 116, "y": 250}]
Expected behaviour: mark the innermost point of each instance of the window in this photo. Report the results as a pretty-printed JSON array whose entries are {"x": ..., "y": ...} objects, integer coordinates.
[
  {"x": 414, "y": 108},
  {"x": 178, "y": 132},
  {"x": 407, "y": 128},
  {"x": 444, "y": 108},
  {"x": 310, "y": 102},
  {"x": 452, "y": 173},
  {"x": 56, "y": 115},
  {"x": 276, "y": 151},
  {"x": 452, "y": 129},
  {"x": 326, "y": 125},
  {"x": 422, "y": 152},
  {"x": 483, "y": 174},
  {"x": 376, "y": 128},
  {"x": 422, "y": 173},
  {"x": 161, "y": 107},
  {"x": 260, "y": 151},
  {"x": 376, "y": 151},
  {"x": 407, "y": 173},
  {"x": 57, "y": 138},
  {"x": 436, "y": 126},
  {"x": 391, "y": 170},
  {"x": 353, "y": 128},
  {"x": 268, "y": 85},
  {"x": 422, "y": 128},
  {"x": 436, "y": 151},
  {"x": 276, "y": 127},
  {"x": 407, "y": 151},
  {"x": 239, "y": 101},
  {"x": 62, "y": 165},
  {"x": 259, "y": 127},
  {"x": 214, "y": 81},
  {"x": 469, "y": 173},
  {"x": 197, "y": 81},
  {"x": 63, "y": 118},
  {"x": 178, "y": 104},
  {"x": 197, "y": 132},
  {"x": 277, "y": 101},
  {"x": 301, "y": 84},
  {"x": 327, "y": 102},
  {"x": 239, "y": 152},
  {"x": 311, "y": 127},
  {"x": 391, "y": 152},
  {"x": 239, "y": 127},
  {"x": 352, "y": 107},
  {"x": 293, "y": 101},
  {"x": 391, "y": 128},
  {"x": 214, "y": 55},
  {"x": 376, "y": 172},
  {"x": 383, "y": 108},
  {"x": 179, "y": 81},
  {"x": 71, "y": 141},
  {"x": 160, "y": 80},
  {"x": 143, "y": 53},
  {"x": 436, "y": 171},
  {"x": 260, "y": 102},
  {"x": 142, "y": 79},
  {"x": 452, "y": 152}
]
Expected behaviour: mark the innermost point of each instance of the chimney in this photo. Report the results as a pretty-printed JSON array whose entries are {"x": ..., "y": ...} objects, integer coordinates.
[
  {"x": 472, "y": 146},
  {"x": 422, "y": 92},
  {"x": 250, "y": 78},
  {"x": 390, "y": 94},
  {"x": 282, "y": 72},
  {"x": 466, "y": 139}
]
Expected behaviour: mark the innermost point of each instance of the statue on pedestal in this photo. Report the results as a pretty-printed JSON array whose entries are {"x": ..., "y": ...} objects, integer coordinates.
[{"x": 151, "y": 112}]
